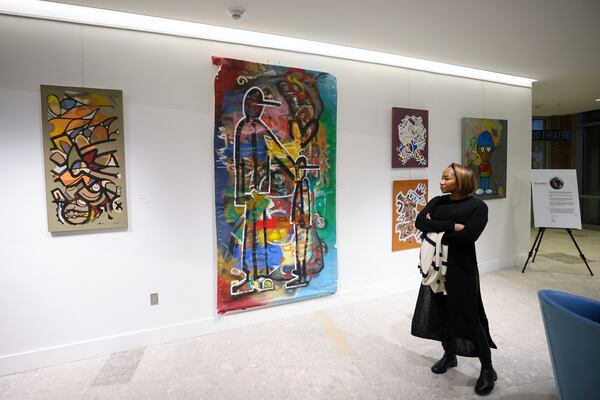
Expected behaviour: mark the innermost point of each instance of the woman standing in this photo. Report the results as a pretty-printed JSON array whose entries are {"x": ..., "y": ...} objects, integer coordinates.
[{"x": 457, "y": 319}]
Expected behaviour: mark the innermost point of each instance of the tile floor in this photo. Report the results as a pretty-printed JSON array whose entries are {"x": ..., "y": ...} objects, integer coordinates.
[{"x": 359, "y": 351}]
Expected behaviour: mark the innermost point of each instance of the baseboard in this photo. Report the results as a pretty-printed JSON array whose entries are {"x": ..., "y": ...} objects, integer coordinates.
[
  {"x": 44, "y": 357},
  {"x": 503, "y": 262},
  {"x": 520, "y": 259}
]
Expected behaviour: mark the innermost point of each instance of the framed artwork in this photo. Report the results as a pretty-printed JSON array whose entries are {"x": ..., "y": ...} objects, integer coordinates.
[
  {"x": 410, "y": 138},
  {"x": 484, "y": 144},
  {"x": 275, "y": 172},
  {"x": 409, "y": 197},
  {"x": 555, "y": 198},
  {"x": 84, "y": 158}
]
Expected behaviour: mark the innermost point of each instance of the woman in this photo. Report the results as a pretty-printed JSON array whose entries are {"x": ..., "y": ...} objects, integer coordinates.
[{"x": 457, "y": 319}]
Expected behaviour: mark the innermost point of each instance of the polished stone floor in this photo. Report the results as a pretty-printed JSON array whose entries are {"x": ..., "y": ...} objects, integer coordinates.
[{"x": 359, "y": 351}]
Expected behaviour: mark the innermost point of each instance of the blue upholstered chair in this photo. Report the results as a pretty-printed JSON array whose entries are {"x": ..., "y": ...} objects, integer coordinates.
[{"x": 573, "y": 331}]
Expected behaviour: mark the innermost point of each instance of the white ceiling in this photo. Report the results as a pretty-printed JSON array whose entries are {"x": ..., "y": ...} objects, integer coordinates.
[{"x": 553, "y": 41}]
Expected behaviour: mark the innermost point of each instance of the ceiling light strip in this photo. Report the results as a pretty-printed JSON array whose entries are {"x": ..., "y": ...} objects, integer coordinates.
[{"x": 122, "y": 20}]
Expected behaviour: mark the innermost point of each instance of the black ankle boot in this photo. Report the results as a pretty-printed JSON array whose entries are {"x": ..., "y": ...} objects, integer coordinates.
[
  {"x": 442, "y": 365},
  {"x": 485, "y": 383}
]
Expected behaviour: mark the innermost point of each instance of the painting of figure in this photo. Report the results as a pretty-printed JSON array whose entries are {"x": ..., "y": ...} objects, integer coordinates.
[
  {"x": 274, "y": 141},
  {"x": 484, "y": 144},
  {"x": 84, "y": 158}
]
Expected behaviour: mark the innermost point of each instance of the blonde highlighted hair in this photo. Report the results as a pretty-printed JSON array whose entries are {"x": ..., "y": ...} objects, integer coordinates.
[{"x": 465, "y": 180}]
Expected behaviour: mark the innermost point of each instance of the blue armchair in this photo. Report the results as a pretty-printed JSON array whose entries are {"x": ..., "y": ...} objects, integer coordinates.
[{"x": 572, "y": 326}]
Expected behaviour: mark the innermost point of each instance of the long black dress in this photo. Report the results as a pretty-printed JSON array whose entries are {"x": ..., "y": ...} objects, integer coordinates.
[{"x": 457, "y": 319}]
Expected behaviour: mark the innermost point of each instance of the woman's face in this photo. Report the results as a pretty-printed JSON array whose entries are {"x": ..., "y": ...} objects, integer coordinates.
[{"x": 448, "y": 182}]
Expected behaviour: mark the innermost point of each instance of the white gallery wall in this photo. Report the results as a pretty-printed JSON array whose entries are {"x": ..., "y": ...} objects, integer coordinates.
[{"x": 71, "y": 296}]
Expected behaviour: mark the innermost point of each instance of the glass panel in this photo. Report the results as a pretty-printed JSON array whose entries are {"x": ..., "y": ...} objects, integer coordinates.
[
  {"x": 591, "y": 161},
  {"x": 537, "y": 124},
  {"x": 538, "y": 155},
  {"x": 590, "y": 211},
  {"x": 590, "y": 116}
]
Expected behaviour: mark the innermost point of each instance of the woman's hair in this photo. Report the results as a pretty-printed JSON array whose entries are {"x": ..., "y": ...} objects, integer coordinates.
[{"x": 465, "y": 181}]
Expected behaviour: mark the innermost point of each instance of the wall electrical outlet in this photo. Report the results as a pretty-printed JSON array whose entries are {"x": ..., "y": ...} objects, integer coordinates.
[{"x": 153, "y": 299}]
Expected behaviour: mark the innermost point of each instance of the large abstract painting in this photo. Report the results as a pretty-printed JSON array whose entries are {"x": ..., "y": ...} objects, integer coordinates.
[
  {"x": 275, "y": 147},
  {"x": 484, "y": 151},
  {"x": 409, "y": 197},
  {"x": 410, "y": 138},
  {"x": 84, "y": 158}
]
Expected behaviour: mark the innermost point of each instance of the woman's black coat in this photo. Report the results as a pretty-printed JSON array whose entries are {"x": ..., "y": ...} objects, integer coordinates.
[{"x": 454, "y": 319}]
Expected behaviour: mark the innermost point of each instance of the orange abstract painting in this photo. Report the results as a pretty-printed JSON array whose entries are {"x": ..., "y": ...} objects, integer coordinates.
[{"x": 409, "y": 197}]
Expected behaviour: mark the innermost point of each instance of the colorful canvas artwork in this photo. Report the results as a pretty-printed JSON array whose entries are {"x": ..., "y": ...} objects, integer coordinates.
[
  {"x": 275, "y": 147},
  {"x": 84, "y": 158},
  {"x": 409, "y": 197},
  {"x": 410, "y": 138},
  {"x": 484, "y": 144}
]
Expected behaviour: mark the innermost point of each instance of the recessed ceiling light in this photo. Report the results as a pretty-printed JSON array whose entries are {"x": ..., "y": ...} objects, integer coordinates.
[
  {"x": 121, "y": 20},
  {"x": 597, "y": 100}
]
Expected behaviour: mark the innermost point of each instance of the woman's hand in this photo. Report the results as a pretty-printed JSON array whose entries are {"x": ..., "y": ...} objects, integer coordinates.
[
  {"x": 428, "y": 216},
  {"x": 458, "y": 227}
]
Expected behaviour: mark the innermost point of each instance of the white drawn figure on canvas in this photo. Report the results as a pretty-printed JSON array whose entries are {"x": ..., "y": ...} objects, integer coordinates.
[
  {"x": 252, "y": 160},
  {"x": 302, "y": 220},
  {"x": 412, "y": 135},
  {"x": 406, "y": 212}
]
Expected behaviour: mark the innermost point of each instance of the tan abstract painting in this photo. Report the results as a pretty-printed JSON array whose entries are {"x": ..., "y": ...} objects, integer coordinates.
[
  {"x": 83, "y": 158},
  {"x": 409, "y": 197}
]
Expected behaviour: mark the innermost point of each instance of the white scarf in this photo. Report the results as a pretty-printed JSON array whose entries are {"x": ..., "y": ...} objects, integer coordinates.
[{"x": 432, "y": 262}]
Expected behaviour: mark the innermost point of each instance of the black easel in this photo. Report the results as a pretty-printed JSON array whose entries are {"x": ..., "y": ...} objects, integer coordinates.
[{"x": 538, "y": 241}]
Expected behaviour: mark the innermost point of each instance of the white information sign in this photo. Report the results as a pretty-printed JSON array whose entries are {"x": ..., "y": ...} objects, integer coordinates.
[{"x": 555, "y": 198}]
